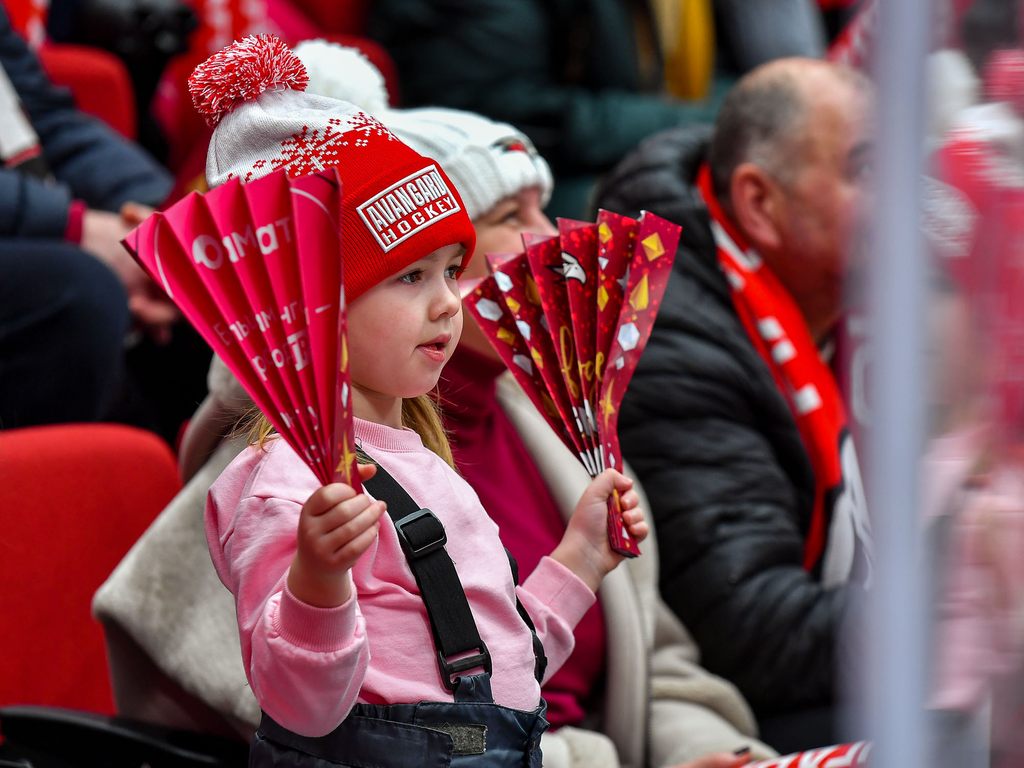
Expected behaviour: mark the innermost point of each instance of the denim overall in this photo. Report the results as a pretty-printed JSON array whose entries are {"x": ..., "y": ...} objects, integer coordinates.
[{"x": 472, "y": 731}]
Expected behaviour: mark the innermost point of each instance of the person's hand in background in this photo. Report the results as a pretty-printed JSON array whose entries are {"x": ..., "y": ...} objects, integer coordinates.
[
  {"x": 102, "y": 233},
  {"x": 134, "y": 214}
]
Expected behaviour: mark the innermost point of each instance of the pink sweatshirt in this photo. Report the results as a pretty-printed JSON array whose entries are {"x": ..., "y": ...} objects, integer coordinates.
[{"x": 308, "y": 666}]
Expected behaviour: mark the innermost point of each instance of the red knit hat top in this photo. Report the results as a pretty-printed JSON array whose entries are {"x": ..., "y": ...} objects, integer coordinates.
[{"x": 398, "y": 206}]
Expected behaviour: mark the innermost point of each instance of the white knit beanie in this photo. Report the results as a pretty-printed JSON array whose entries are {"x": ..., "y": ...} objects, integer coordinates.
[{"x": 487, "y": 161}]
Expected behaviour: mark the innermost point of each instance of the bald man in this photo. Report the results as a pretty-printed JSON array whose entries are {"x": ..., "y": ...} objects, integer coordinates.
[{"x": 733, "y": 421}]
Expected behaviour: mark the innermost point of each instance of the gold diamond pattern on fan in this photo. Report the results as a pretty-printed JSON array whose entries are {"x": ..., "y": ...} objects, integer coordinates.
[
  {"x": 514, "y": 305},
  {"x": 602, "y": 298},
  {"x": 532, "y": 294},
  {"x": 653, "y": 247},
  {"x": 604, "y": 232},
  {"x": 641, "y": 295},
  {"x": 507, "y": 336},
  {"x": 549, "y": 405}
]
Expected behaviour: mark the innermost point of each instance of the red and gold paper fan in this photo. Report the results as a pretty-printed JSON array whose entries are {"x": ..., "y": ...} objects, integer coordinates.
[
  {"x": 570, "y": 317},
  {"x": 257, "y": 269}
]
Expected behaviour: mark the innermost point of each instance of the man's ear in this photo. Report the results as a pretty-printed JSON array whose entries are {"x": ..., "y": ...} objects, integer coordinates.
[{"x": 755, "y": 203}]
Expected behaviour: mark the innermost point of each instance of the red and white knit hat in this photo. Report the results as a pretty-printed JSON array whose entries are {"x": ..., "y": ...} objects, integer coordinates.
[{"x": 398, "y": 206}]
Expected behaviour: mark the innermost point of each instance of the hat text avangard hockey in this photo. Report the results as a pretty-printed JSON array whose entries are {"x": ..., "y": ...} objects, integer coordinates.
[{"x": 407, "y": 207}]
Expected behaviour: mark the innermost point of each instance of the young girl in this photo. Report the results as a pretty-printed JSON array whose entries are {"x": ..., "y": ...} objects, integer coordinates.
[{"x": 396, "y": 646}]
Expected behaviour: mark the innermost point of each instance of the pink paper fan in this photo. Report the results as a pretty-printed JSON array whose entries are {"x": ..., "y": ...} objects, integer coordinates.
[{"x": 257, "y": 269}]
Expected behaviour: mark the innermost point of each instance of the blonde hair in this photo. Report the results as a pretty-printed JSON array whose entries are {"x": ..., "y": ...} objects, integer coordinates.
[{"x": 420, "y": 414}]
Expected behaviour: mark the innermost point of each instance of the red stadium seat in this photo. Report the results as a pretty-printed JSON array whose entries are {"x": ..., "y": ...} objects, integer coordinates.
[
  {"x": 73, "y": 500},
  {"x": 98, "y": 80}
]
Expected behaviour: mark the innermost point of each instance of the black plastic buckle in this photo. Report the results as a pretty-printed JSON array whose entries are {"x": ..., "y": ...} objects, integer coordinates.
[
  {"x": 413, "y": 552},
  {"x": 453, "y": 668}
]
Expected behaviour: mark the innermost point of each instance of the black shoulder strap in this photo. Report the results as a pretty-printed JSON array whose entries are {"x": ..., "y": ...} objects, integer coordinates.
[
  {"x": 540, "y": 659},
  {"x": 423, "y": 538}
]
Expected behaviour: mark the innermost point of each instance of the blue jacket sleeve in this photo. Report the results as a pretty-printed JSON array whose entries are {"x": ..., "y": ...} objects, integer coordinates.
[{"x": 89, "y": 161}]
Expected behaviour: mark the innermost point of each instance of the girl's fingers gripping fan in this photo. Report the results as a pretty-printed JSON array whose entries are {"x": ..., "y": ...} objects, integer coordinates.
[
  {"x": 581, "y": 305},
  {"x": 257, "y": 270}
]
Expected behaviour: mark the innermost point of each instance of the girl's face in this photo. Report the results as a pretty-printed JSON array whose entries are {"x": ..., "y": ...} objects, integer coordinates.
[{"x": 403, "y": 330}]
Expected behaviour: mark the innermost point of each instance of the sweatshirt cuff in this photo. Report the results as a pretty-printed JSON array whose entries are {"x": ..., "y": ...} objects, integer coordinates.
[
  {"x": 561, "y": 590},
  {"x": 76, "y": 218},
  {"x": 320, "y": 630}
]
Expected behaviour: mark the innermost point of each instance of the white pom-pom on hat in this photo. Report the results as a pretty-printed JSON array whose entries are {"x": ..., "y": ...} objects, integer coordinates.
[{"x": 345, "y": 74}]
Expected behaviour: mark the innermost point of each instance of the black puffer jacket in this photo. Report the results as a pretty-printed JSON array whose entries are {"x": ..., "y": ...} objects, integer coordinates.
[{"x": 713, "y": 441}]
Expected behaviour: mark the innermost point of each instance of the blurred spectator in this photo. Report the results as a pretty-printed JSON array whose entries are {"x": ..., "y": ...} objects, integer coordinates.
[
  {"x": 973, "y": 489},
  {"x": 63, "y": 272},
  {"x": 952, "y": 88},
  {"x": 580, "y": 78},
  {"x": 752, "y": 34},
  {"x": 145, "y": 34},
  {"x": 988, "y": 25},
  {"x": 734, "y": 422}
]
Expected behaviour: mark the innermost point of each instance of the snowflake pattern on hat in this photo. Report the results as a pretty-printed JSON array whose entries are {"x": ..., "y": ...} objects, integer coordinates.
[{"x": 316, "y": 149}]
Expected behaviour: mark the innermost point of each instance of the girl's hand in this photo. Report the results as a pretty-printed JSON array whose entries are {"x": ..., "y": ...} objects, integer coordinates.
[
  {"x": 584, "y": 548},
  {"x": 335, "y": 527}
]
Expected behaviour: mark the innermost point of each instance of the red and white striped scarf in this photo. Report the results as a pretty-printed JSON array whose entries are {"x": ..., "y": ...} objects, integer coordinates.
[{"x": 839, "y": 533}]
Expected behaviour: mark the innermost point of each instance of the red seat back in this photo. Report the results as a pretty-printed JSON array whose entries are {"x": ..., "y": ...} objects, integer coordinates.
[
  {"x": 99, "y": 83},
  {"x": 73, "y": 500}
]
